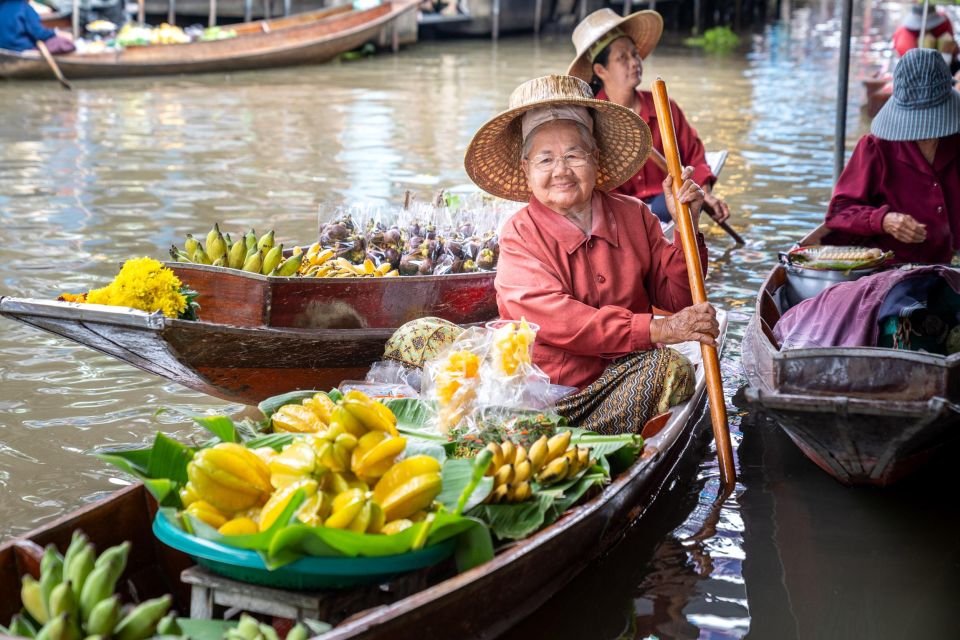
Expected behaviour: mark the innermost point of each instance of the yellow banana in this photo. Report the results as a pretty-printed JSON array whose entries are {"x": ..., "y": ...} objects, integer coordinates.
[
  {"x": 237, "y": 255},
  {"x": 253, "y": 263},
  {"x": 558, "y": 444},
  {"x": 265, "y": 243},
  {"x": 272, "y": 259},
  {"x": 190, "y": 244},
  {"x": 497, "y": 461},
  {"x": 384, "y": 269},
  {"x": 521, "y": 492},
  {"x": 321, "y": 257},
  {"x": 555, "y": 471},
  {"x": 32, "y": 598},
  {"x": 500, "y": 494},
  {"x": 368, "y": 267},
  {"x": 509, "y": 451},
  {"x": 290, "y": 266},
  {"x": 503, "y": 475},
  {"x": 538, "y": 453},
  {"x": 521, "y": 472}
]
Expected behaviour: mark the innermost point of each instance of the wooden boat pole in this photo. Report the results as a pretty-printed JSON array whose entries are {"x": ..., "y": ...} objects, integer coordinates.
[
  {"x": 495, "y": 26},
  {"x": 141, "y": 12},
  {"x": 247, "y": 10},
  {"x": 711, "y": 361},
  {"x": 537, "y": 16},
  {"x": 172, "y": 13},
  {"x": 75, "y": 19},
  {"x": 212, "y": 21},
  {"x": 42, "y": 47}
]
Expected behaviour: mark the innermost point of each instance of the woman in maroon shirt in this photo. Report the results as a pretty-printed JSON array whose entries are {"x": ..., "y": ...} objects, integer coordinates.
[
  {"x": 900, "y": 191},
  {"x": 610, "y": 53},
  {"x": 586, "y": 265}
]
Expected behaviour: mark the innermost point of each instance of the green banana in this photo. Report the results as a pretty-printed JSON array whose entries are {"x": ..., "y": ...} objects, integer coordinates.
[
  {"x": 237, "y": 255},
  {"x": 254, "y": 262},
  {"x": 168, "y": 626},
  {"x": 268, "y": 632},
  {"x": 220, "y": 262},
  {"x": 248, "y": 627},
  {"x": 265, "y": 243},
  {"x": 59, "y": 628},
  {"x": 142, "y": 621},
  {"x": 63, "y": 601},
  {"x": 51, "y": 572},
  {"x": 178, "y": 256},
  {"x": 191, "y": 244},
  {"x": 102, "y": 581},
  {"x": 118, "y": 552},
  {"x": 298, "y": 632},
  {"x": 200, "y": 256},
  {"x": 272, "y": 260},
  {"x": 20, "y": 627},
  {"x": 32, "y": 598},
  {"x": 77, "y": 568},
  {"x": 104, "y": 617},
  {"x": 290, "y": 266},
  {"x": 250, "y": 240},
  {"x": 228, "y": 240},
  {"x": 77, "y": 543}
]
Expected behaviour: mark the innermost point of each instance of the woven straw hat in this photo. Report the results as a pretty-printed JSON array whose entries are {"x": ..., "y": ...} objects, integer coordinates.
[
  {"x": 924, "y": 104},
  {"x": 493, "y": 157},
  {"x": 643, "y": 27}
]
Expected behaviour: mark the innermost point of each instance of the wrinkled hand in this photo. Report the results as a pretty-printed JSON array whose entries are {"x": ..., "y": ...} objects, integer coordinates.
[
  {"x": 698, "y": 322},
  {"x": 690, "y": 193},
  {"x": 716, "y": 208},
  {"x": 904, "y": 227}
]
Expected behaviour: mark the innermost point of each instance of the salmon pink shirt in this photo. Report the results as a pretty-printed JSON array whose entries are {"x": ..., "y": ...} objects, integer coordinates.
[
  {"x": 591, "y": 295},
  {"x": 648, "y": 181}
]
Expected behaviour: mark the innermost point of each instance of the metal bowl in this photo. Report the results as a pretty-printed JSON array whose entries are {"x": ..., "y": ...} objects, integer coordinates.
[{"x": 803, "y": 282}]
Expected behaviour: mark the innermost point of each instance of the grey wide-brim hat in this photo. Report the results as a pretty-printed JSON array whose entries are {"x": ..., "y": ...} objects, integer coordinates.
[
  {"x": 924, "y": 104},
  {"x": 915, "y": 17}
]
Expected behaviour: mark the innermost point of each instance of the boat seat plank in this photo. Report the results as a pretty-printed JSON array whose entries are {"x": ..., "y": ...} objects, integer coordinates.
[
  {"x": 769, "y": 311},
  {"x": 768, "y": 332}
]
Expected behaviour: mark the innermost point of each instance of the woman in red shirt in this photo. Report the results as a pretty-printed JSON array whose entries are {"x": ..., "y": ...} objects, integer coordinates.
[
  {"x": 577, "y": 262},
  {"x": 610, "y": 53},
  {"x": 900, "y": 191}
]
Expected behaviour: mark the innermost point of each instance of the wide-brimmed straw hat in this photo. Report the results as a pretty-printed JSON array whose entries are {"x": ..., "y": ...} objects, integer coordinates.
[
  {"x": 924, "y": 104},
  {"x": 915, "y": 17},
  {"x": 493, "y": 157},
  {"x": 643, "y": 27}
]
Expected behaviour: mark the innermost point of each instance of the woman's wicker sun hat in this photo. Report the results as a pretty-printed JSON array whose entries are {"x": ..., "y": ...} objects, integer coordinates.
[
  {"x": 602, "y": 27},
  {"x": 493, "y": 158}
]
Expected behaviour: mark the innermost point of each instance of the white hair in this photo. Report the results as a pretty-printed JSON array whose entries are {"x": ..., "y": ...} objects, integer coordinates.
[{"x": 589, "y": 142}]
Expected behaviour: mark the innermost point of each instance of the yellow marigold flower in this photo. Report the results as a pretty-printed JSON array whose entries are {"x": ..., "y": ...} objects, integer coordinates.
[{"x": 144, "y": 284}]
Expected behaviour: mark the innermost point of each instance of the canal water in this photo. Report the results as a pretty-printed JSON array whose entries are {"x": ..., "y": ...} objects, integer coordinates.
[{"x": 121, "y": 169}]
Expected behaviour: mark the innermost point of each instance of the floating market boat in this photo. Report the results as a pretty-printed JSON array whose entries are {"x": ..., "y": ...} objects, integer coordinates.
[
  {"x": 431, "y": 603},
  {"x": 301, "y": 39},
  {"x": 865, "y": 415},
  {"x": 515, "y": 17},
  {"x": 262, "y": 336}
]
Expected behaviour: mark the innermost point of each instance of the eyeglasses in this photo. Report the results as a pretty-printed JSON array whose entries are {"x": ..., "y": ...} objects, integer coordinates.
[{"x": 546, "y": 164}]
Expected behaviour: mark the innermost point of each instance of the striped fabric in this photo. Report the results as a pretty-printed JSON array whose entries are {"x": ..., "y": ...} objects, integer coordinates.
[{"x": 924, "y": 104}]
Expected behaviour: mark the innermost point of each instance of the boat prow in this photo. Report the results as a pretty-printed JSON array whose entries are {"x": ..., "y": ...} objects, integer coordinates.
[{"x": 865, "y": 415}]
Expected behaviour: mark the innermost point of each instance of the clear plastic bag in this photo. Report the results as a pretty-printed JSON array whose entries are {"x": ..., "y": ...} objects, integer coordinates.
[{"x": 487, "y": 372}]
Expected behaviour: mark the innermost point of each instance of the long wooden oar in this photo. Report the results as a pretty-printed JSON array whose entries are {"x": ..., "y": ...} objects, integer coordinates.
[
  {"x": 657, "y": 158},
  {"x": 42, "y": 47},
  {"x": 711, "y": 362}
]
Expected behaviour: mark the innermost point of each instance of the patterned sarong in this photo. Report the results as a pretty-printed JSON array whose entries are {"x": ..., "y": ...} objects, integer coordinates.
[{"x": 633, "y": 389}]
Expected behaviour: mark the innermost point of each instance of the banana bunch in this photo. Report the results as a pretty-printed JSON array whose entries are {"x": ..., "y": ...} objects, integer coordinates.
[
  {"x": 324, "y": 267},
  {"x": 249, "y": 253},
  {"x": 511, "y": 469},
  {"x": 454, "y": 385},
  {"x": 249, "y": 628},
  {"x": 74, "y": 598},
  {"x": 555, "y": 459},
  {"x": 511, "y": 346}
]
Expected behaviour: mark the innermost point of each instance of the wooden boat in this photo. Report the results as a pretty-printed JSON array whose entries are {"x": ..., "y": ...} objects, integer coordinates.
[
  {"x": 427, "y": 604},
  {"x": 865, "y": 415},
  {"x": 199, "y": 10},
  {"x": 262, "y": 336},
  {"x": 516, "y": 16},
  {"x": 302, "y": 39}
]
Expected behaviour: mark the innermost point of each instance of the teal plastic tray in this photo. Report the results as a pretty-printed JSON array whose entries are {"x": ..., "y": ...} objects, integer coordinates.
[{"x": 305, "y": 573}]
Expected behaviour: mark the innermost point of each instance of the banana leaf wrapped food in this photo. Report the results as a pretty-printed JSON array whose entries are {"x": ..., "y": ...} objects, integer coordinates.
[{"x": 837, "y": 258}]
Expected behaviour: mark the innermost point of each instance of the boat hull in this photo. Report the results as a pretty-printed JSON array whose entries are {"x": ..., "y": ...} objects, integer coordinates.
[
  {"x": 866, "y": 416},
  {"x": 309, "y": 41},
  {"x": 517, "y": 16},
  {"x": 238, "y": 364}
]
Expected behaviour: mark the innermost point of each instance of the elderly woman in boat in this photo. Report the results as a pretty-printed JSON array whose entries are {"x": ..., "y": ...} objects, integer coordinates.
[
  {"x": 610, "y": 54},
  {"x": 586, "y": 264},
  {"x": 900, "y": 191}
]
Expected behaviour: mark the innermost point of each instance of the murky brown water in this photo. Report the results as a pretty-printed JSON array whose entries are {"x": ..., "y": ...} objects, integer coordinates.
[{"x": 119, "y": 169}]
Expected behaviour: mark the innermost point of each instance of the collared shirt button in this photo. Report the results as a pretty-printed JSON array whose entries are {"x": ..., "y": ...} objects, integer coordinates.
[
  {"x": 939, "y": 209},
  {"x": 935, "y": 185},
  {"x": 601, "y": 279}
]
